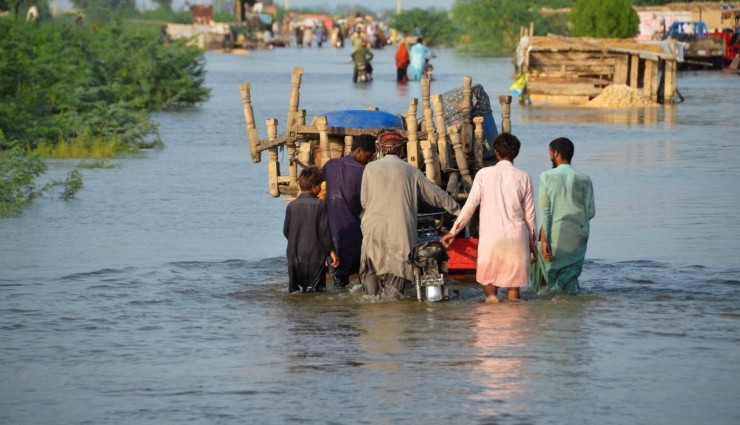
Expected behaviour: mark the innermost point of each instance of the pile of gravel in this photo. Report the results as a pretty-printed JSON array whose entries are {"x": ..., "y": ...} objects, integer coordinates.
[{"x": 620, "y": 96}]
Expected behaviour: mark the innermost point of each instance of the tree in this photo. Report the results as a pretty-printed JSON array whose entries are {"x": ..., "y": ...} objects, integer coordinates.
[
  {"x": 20, "y": 7},
  {"x": 604, "y": 19},
  {"x": 105, "y": 10},
  {"x": 164, "y": 4},
  {"x": 435, "y": 25},
  {"x": 492, "y": 26}
]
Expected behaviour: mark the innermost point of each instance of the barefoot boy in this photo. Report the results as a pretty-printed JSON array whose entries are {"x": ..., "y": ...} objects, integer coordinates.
[{"x": 309, "y": 240}]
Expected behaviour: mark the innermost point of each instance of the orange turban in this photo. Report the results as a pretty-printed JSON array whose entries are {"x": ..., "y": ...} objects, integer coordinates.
[{"x": 391, "y": 142}]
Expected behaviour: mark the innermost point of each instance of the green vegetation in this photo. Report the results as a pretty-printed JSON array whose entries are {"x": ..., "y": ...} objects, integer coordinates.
[
  {"x": 435, "y": 25},
  {"x": 95, "y": 148},
  {"x": 104, "y": 11},
  {"x": 18, "y": 171},
  {"x": 604, "y": 19},
  {"x": 98, "y": 163},
  {"x": 164, "y": 15},
  {"x": 72, "y": 184},
  {"x": 19, "y": 8},
  {"x": 84, "y": 92},
  {"x": 490, "y": 26},
  {"x": 62, "y": 83}
]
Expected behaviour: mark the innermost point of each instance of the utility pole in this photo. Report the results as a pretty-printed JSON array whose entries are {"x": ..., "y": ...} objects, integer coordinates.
[{"x": 398, "y": 7}]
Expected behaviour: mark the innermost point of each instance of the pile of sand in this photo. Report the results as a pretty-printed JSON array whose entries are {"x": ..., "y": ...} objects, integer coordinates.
[{"x": 619, "y": 96}]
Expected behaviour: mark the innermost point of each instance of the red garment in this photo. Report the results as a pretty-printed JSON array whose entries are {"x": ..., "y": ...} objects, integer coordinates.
[{"x": 402, "y": 56}]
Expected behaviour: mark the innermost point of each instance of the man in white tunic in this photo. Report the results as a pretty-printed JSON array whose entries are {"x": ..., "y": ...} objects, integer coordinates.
[
  {"x": 507, "y": 222},
  {"x": 390, "y": 194}
]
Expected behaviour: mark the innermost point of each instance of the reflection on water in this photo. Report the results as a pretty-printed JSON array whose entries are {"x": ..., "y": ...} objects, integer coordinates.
[
  {"x": 402, "y": 90},
  {"x": 625, "y": 116},
  {"x": 501, "y": 332},
  {"x": 382, "y": 338}
]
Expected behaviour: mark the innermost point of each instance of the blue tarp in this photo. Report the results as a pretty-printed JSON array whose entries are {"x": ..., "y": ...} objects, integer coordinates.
[{"x": 361, "y": 118}]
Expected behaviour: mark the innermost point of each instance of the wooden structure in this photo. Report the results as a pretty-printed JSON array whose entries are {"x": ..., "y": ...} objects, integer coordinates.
[
  {"x": 575, "y": 70},
  {"x": 448, "y": 156}
]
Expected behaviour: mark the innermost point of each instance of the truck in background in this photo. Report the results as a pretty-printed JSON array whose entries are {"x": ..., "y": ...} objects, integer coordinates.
[
  {"x": 730, "y": 34},
  {"x": 701, "y": 50}
]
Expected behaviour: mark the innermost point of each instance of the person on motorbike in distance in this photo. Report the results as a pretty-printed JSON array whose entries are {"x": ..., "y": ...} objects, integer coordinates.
[{"x": 360, "y": 56}]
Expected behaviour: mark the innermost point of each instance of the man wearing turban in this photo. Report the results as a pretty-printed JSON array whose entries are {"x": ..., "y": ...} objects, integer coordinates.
[{"x": 390, "y": 194}]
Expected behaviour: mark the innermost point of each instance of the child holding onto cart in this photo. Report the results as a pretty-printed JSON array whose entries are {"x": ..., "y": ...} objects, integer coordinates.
[{"x": 306, "y": 227}]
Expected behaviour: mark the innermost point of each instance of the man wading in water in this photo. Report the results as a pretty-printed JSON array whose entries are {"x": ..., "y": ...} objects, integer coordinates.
[
  {"x": 343, "y": 183},
  {"x": 390, "y": 194},
  {"x": 566, "y": 206}
]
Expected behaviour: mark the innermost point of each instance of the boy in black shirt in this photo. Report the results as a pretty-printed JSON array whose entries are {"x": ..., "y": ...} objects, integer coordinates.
[{"x": 309, "y": 240}]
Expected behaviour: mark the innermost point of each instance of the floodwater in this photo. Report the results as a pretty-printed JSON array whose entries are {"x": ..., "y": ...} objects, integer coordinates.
[{"x": 159, "y": 295}]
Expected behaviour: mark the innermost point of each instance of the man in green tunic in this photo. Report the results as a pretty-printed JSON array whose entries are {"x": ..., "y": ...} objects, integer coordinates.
[{"x": 566, "y": 204}]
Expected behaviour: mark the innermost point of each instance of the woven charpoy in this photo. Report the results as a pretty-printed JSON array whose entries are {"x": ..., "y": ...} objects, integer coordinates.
[{"x": 452, "y": 108}]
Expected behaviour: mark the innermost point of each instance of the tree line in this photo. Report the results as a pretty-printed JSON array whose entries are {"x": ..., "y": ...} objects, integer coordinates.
[
  {"x": 491, "y": 27},
  {"x": 72, "y": 90}
]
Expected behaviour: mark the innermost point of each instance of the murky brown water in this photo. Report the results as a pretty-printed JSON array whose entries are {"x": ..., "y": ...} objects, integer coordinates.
[{"x": 158, "y": 296}]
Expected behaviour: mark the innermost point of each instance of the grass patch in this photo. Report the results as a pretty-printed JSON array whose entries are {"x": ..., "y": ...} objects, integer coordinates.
[
  {"x": 94, "y": 148},
  {"x": 99, "y": 163}
]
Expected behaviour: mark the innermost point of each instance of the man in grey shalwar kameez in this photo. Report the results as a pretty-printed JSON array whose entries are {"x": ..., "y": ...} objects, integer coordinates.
[{"x": 390, "y": 194}]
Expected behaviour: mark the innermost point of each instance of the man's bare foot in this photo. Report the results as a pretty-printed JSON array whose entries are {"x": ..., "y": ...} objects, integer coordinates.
[{"x": 492, "y": 299}]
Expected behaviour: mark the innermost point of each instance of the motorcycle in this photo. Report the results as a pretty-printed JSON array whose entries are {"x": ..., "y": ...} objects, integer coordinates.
[
  {"x": 362, "y": 74},
  {"x": 428, "y": 69},
  {"x": 429, "y": 259}
]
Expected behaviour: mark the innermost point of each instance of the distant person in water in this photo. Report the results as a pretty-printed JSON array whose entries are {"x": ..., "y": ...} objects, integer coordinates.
[
  {"x": 306, "y": 227},
  {"x": 343, "y": 184},
  {"x": 402, "y": 63},
  {"x": 362, "y": 56},
  {"x": 566, "y": 206},
  {"x": 418, "y": 59}
]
